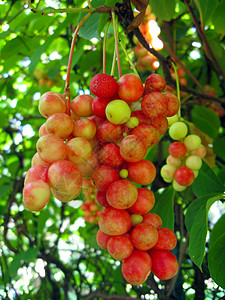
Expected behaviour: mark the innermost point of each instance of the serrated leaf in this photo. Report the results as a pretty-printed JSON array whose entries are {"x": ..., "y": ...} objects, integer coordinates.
[
  {"x": 216, "y": 256},
  {"x": 164, "y": 207},
  {"x": 196, "y": 221},
  {"x": 206, "y": 182},
  {"x": 206, "y": 120},
  {"x": 164, "y": 10}
]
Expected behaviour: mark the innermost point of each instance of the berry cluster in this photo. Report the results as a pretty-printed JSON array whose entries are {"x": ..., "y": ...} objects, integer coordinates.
[
  {"x": 105, "y": 139},
  {"x": 150, "y": 30},
  {"x": 185, "y": 157},
  {"x": 90, "y": 207}
]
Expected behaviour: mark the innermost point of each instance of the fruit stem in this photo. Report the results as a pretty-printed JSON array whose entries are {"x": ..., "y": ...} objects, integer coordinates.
[
  {"x": 113, "y": 63},
  {"x": 128, "y": 58},
  {"x": 178, "y": 88},
  {"x": 116, "y": 41},
  {"x": 104, "y": 47},
  {"x": 66, "y": 93}
]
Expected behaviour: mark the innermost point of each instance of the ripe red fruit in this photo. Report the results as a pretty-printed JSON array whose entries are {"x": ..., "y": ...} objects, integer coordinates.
[
  {"x": 51, "y": 103},
  {"x": 154, "y": 105},
  {"x": 142, "y": 172},
  {"x": 103, "y": 176},
  {"x": 161, "y": 124},
  {"x": 164, "y": 264},
  {"x": 154, "y": 82},
  {"x": 84, "y": 128},
  {"x": 97, "y": 120},
  {"x": 38, "y": 172},
  {"x": 177, "y": 149},
  {"x": 144, "y": 203},
  {"x": 137, "y": 267},
  {"x": 152, "y": 219},
  {"x": 130, "y": 88},
  {"x": 120, "y": 247},
  {"x": 167, "y": 239},
  {"x": 99, "y": 105},
  {"x": 82, "y": 105},
  {"x": 132, "y": 149},
  {"x": 144, "y": 236},
  {"x": 184, "y": 176},
  {"x": 122, "y": 194},
  {"x": 173, "y": 104},
  {"x": 100, "y": 198},
  {"x": 108, "y": 132},
  {"x": 88, "y": 167},
  {"x": 103, "y": 85},
  {"x": 142, "y": 118},
  {"x": 102, "y": 239},
  {"x": 148, "y": 133},
  {"x": 110, "y": 155},
  {"x": 114, "y": 221}
]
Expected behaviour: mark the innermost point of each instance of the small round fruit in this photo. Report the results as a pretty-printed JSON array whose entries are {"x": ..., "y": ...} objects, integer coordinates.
[
  {"x": 114, "y": 221},
  {"x": 120, "y": 247},
  {"x": 154, "y": 105},
  {"x": 152, "y": 219},
  {"x": 108, "y": 132},
  {"x": 137, "y": 267},
  {"x": 123, "y": 173},
  {"x": 103, "y": 85},
  {"x": 99, "y": 106},
  {"x": 103, "y": 176},
  {"x": 167, "y": 239},
  {"x": 192, "y": 142},
  {"x": 148, "y": 133},
  {"x": 132, "y": 149},
  {"x": 142, "y": 172},
  {"x": 177, "y": 187},
  {"x": 201, "y": 151},
  {"x": 136, "y": 219},
  {"x": 193, "y": 162},
  {"x": 173, "y": 161},
  {"x": 78, "y": 150},
  {"x": 144, "y": 203},
  {"x": 167, "y": 172},
  {"x": 82, "y": 105},
  {"x": 184, "y": 176},
  {"x": 144, "y": 236},
  {"x": 132, "y": 122},
  {"x": 110, "y": 155},
  {"x": 154, "y": 82},
  {"x": 177, "y": 149},
  {"x": 172, "y": 120},
  {"x": 51, "y": 103},
  {"x": 118, "y": 112},
  {"x": 102, "y": 239},
  {"x": 84, "y": 128},
  {"x": 164, "y": 264},
  {"x": 122, "y": 194},
  {"x": 59, "y": 124},
  {"x": 173, "y": 104},
  {"x": 36, "y": 195},
  {"x": 130, "y": 88},
  {"x": 178, "y": 131}
]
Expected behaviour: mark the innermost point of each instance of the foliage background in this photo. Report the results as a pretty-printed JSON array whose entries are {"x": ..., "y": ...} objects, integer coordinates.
[{"x": 53, "y": 254}]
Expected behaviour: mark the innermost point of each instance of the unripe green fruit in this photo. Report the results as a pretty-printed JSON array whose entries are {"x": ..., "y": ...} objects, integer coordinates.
[
  {"x": 178, "y": 131},
  {"x": 123, "y": 173},
  {"x": 136, "y": 219},
  {"x": 177, "y": 187},
  {"x": 132, "y": 122},
  {"x": 167, "y": 172},
  {"x": 118, "y": 112},
  {"x": 192, "y": 142},
  {"x": 172, "y": 120},
  {"x": 193, "y": 162}
]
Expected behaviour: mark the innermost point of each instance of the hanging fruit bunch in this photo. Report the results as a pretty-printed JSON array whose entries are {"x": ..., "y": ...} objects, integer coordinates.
[
  {"x": 101, "y": 141},
  {"x": 150, "y": 30}
]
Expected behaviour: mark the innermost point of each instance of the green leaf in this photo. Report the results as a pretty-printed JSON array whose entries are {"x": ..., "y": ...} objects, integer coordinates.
[
  {"x": 164, "y": 206},
  {"x": 219, "y": 147},
  {"x": 216, "y": 256},
  {"x": 164, "y": 10},
  {"x": 196, "y": 222},
  {"x": 205, "y": 8},
  {"x": 207, "y": 182},
  {"x": 37, "y": 54},
  {"x": 26, "y": 256},
  {"x": 206, "y": 120},
  {"x": 217, "y": 18},
  {"x": 118, "y": 281}
]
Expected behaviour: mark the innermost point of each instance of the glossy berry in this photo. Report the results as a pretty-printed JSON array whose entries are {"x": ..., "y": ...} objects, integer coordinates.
[{"x": 103, "y": 85}]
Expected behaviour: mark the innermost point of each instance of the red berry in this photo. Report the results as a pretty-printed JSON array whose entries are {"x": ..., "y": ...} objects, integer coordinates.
[
  {"x": 103, "y": 85},
  {"x": 177, "y": 149},
  {"x": 184, "y": 176}
]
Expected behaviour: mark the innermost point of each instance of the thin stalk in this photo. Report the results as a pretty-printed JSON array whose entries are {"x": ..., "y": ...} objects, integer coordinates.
[
  {"x": 113, "y": 63},
  {"x": 104, "y": 47},
  {"x": 178, "y": 88},
  {"x": 66, "y": 93},
  {"x": 116, "y": 42},
  {"x": 128, "y": 58}
]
